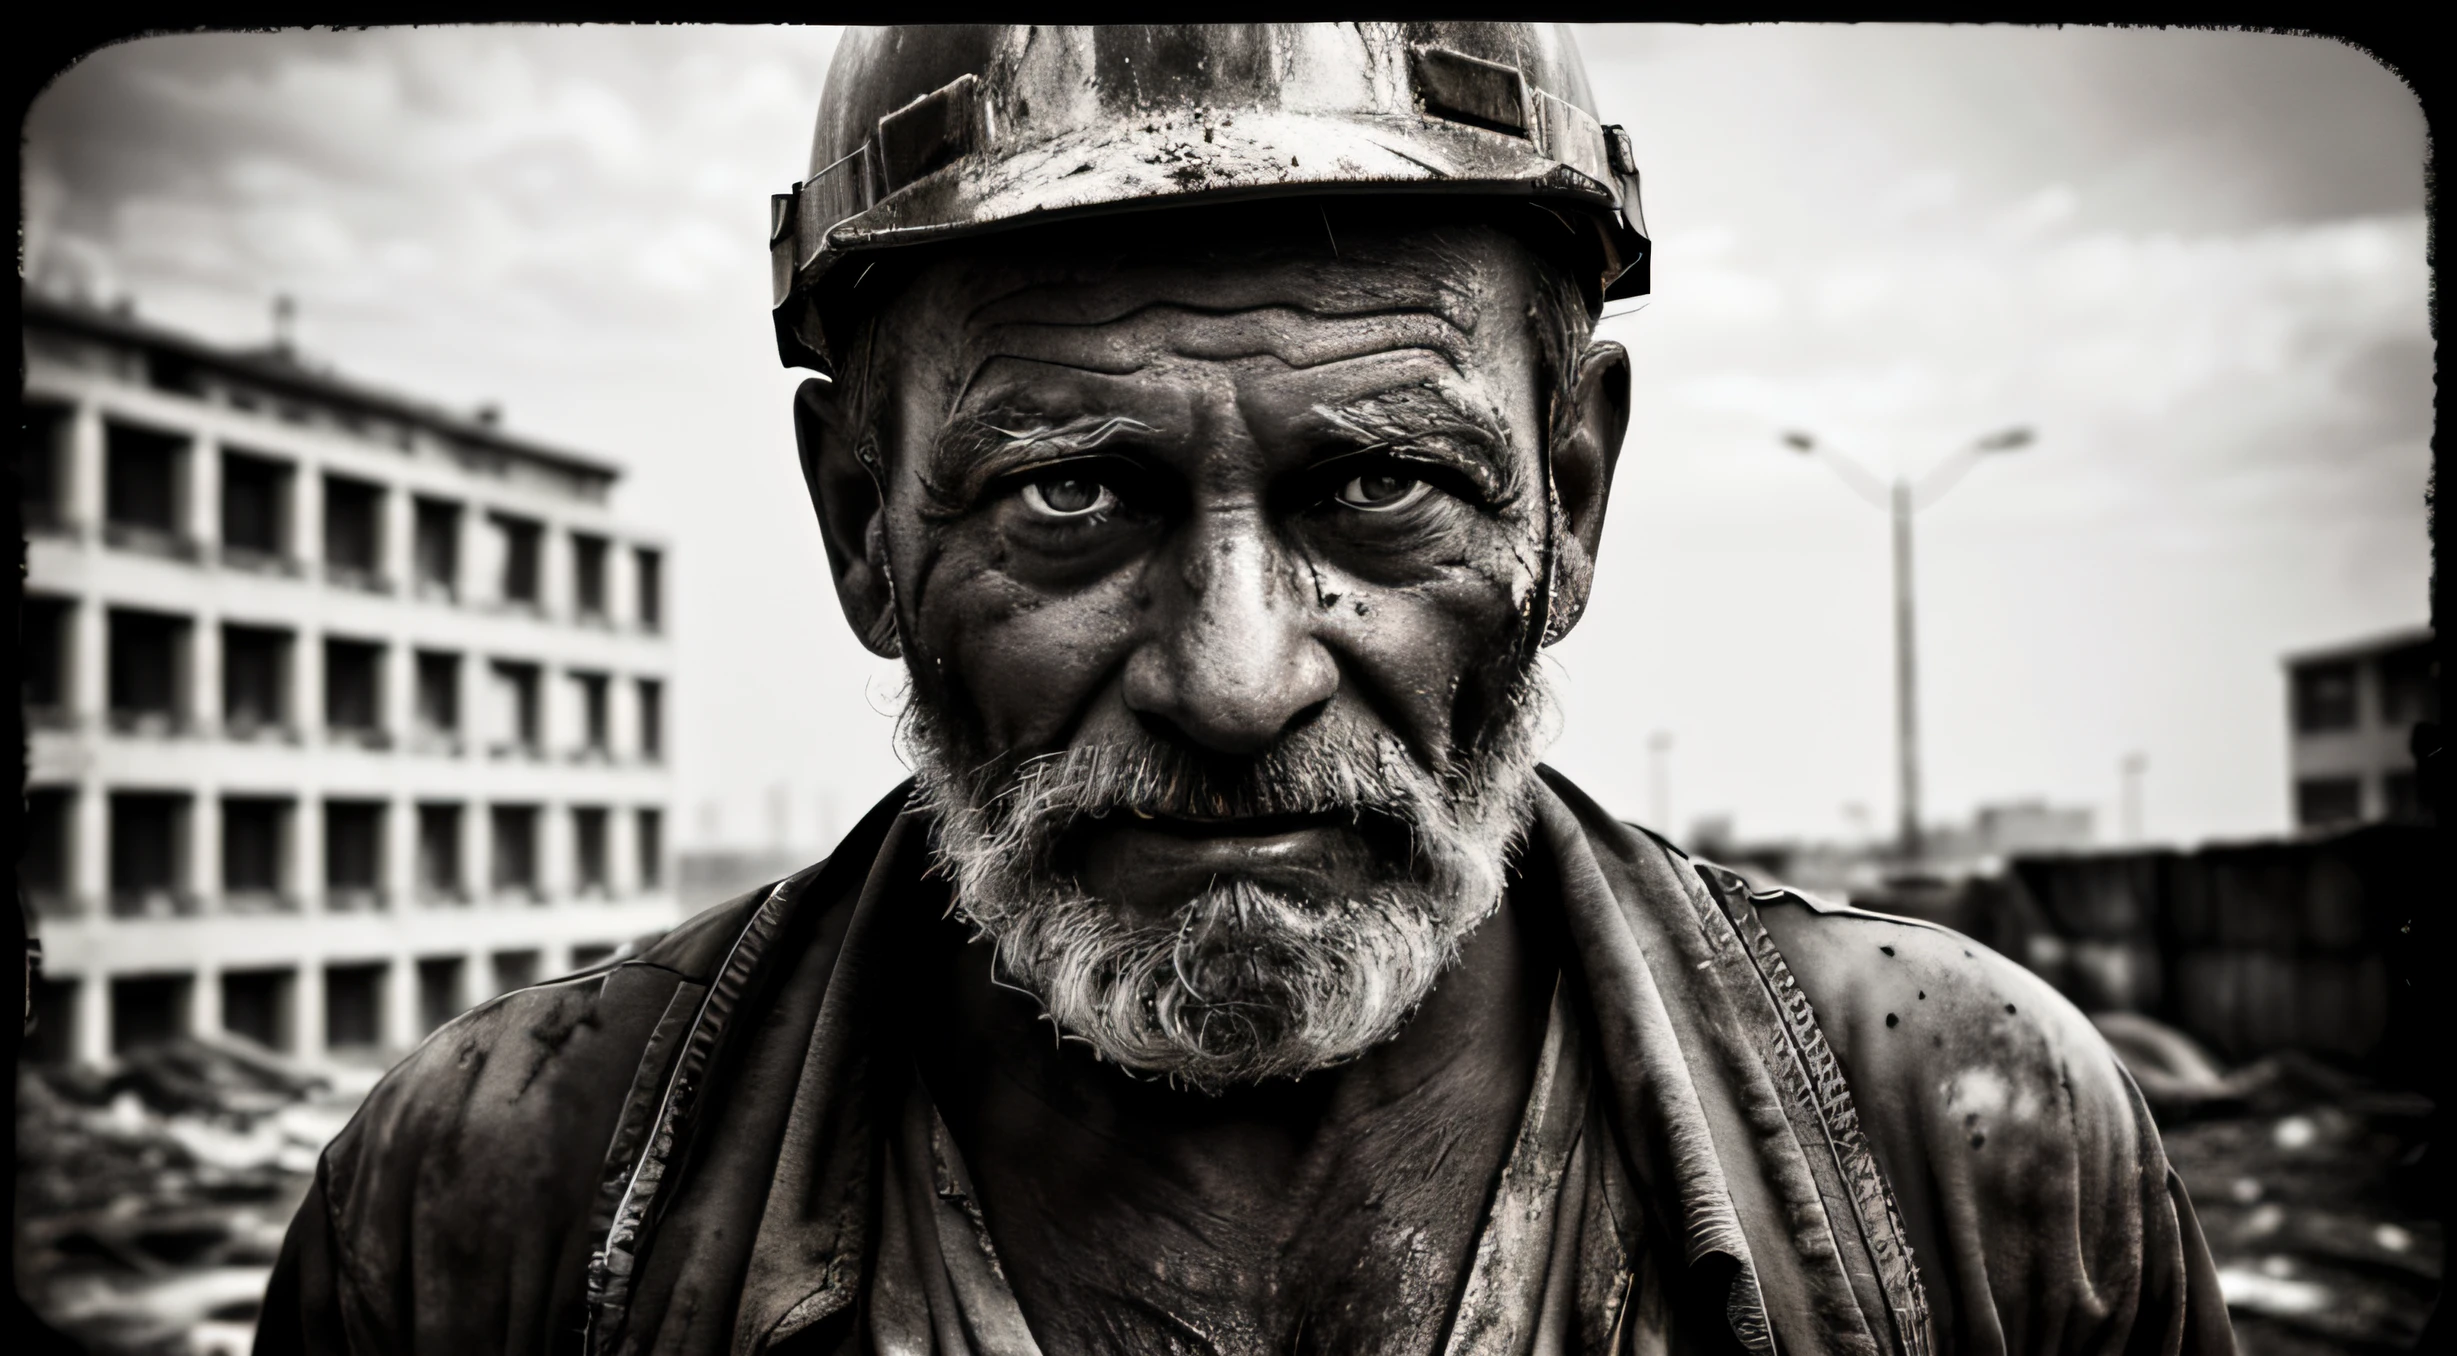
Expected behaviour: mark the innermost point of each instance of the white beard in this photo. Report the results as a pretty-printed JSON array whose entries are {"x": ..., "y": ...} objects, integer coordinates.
[{"x": 1245, "y": 982}]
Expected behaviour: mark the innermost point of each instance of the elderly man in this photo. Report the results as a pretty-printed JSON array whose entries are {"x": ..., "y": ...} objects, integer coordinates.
[{"x": 1214, "y": 429}]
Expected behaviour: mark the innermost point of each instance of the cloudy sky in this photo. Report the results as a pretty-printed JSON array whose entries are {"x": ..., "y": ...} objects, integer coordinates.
[{"x": 2192, "y": 261}]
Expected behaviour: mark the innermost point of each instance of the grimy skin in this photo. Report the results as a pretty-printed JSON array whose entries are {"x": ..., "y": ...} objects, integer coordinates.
[{"x": 1257, "y": 557}]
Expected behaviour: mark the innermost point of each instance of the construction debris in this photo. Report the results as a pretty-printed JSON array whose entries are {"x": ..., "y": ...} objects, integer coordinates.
[
  {"x": 2307, "y": 1181},
  {"x": 153, "y": 1195}
]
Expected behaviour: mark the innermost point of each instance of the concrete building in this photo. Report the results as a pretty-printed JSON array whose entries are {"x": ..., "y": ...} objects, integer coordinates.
[
  {"x": 344, "y": 712},
  {"x": 710, "y": 876},
  {"x": 2351, "y": 712},
  {"x": 2017, "y": 828}
]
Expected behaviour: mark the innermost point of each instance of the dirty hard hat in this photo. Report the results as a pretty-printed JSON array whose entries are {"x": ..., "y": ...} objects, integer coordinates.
[{"x": 939, "y": 132}]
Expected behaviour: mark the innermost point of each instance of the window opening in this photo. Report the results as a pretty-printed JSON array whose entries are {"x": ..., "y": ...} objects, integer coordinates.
[
  {"x": 589, "y": 577},
  {"x": 43, "y": 659},
  {"x": 143, "y": 475},
  {"x": 650, "y": 836},
  {"x": 520, "y": 559},
  {"x": 256, "y": 1005},
  {"x": 515, "y": 848},
  {"x": 148, "y": 1010},
  {"x": 354, "y": 692},
  {"x": 516, "y": 716},
  {"x": 255, "y": 681},
  {"x": 646, "y": 568},
  {"x": 43, "y": 867},
  {"x": 148, "y": 671},
  {"x": 353, "y": 1006},
  {"x": 652, "y": 719},
  {"x": 439, "y": 700},
  {"x": 439, "y": 852},
  {"x": 42, "y": 458},
  {"x": 255, "y": 510},
  {"x": 2325, "y": 697},
  {"x": 439, "y": 990},
  {"x": 438, "y": 548},
  {"x": 589, "y": 850},
  {"x": 254, "y": 842},
  {"x": 354, "y": 533},
  {"x": 149, "y": 856}
]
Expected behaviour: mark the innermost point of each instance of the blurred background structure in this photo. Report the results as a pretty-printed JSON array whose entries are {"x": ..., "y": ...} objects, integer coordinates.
[
  {"x": 1901, "y": 500},
  {"x": 2355, "y": 708},
  {"x": 345, "y": 711},
  {"x": 2172, "y": 661}
]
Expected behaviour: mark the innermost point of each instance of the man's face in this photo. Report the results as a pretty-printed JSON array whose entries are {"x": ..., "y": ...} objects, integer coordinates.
[{"x": 1214, "y": 571}]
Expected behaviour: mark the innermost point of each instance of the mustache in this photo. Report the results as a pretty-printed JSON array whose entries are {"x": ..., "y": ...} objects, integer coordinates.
[
  {"x": 1009, "y": 821},
  {"x": 1352, "y": 773},
  {"x": 1340, "y": 772}
]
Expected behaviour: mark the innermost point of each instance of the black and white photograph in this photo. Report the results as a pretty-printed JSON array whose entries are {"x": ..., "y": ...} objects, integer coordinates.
[{"x": 1414, "y": 688}]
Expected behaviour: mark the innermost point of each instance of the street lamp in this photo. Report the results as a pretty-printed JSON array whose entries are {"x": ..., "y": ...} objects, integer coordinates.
[
  {"x": 1659, "y": 750},
  {"x": 1902, "y": 498},
  {"x": 2134, "y": 765}
]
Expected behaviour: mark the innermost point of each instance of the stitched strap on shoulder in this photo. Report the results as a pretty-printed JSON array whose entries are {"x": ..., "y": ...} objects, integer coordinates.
[
  {"x": 637, "y": 1204},
  {"x": 1821, "y": 1091}
]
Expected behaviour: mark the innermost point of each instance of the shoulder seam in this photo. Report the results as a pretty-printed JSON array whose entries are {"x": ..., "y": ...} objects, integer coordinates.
[
  {"x": 348, "y": 1273},
  {"x": 1877, "y": 1214},
  {"x": 637, "y": 1206},
  {"x": 1826, "y": 908}
]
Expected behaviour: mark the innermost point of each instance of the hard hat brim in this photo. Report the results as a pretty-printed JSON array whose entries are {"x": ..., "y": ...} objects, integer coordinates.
[
  {"x": 1034, "y": 130},
  {"x": 1185, "y": 161}
]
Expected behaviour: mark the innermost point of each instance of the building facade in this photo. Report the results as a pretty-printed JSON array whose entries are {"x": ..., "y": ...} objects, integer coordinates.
[
  {"x": 2351, "y": 713},
  {"x": 344, "y": 712}
]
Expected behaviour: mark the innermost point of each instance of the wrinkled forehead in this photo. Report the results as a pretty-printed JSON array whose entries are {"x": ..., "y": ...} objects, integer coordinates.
[{"x": 1454, "y": 295}]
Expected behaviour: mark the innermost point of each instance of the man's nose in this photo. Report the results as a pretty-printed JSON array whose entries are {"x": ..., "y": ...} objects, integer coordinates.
[{"x": 1232, "y": 661}]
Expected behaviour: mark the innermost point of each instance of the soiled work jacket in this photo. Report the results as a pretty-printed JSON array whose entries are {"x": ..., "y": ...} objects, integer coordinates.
[{"x": 1845, "y": 1132}]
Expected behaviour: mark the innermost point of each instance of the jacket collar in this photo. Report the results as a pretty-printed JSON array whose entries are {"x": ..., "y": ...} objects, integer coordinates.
[{"x": 1727, "y": 1106}]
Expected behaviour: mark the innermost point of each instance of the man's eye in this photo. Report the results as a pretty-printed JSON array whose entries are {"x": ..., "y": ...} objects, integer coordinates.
[
  {"x": 1381, "y": 492},
  {"x": 1068, "y": 497}
]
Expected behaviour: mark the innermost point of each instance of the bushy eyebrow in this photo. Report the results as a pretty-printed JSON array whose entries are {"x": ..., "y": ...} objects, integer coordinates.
[
  {"x": 973, "y": 449},
  {"x": 1425, "y": 420}
]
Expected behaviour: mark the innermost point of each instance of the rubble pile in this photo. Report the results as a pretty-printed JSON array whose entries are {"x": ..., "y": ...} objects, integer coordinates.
[
  {"x": 152, "y": 1196},
  {"x": 2308, "y": 1181}
]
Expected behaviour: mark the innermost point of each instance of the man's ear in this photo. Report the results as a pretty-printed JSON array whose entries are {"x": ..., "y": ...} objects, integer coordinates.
[
  {"x": 852, "y": 516},
  {"x": 1586, "y": 447}
]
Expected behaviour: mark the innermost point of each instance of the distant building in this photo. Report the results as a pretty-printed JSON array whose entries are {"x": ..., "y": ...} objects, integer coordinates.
[
  {"x": 1711, "y": 836},
  {"x": 2030, "y": 826},
  {"x": 2351, "y": 712},
  {"x": 709, "y": 876},
  {"x": 1951, "y": 851},
  {"x": 344, "y": 712}
]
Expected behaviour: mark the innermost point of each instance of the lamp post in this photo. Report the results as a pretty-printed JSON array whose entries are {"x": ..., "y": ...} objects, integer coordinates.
[
  {"x": 2134, "y": 765},
  {"x": 1659, "y": 751},
  {"x": 1902, "y": 498}
]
